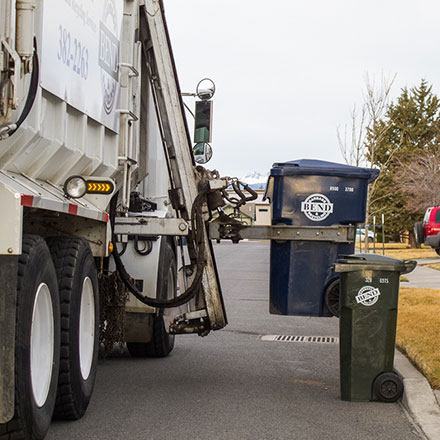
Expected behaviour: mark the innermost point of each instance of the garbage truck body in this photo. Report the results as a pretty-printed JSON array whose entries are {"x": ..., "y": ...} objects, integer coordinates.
[{"x": 98, "y": 187}]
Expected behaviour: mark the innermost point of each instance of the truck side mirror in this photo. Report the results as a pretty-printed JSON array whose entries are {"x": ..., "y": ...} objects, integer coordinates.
[
  {"x": 203, "y": 122},
  {"x": 202, "y": 153},
  {"x": 205, "y": 89}
]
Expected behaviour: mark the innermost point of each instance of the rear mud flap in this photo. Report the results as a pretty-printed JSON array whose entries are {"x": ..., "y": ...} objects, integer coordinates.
[{"x": 8, "y": 295}]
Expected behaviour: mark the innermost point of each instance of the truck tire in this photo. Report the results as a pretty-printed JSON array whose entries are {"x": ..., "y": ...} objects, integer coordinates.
[
  {"x": 78, "y": 290},
  {"x": 419, "y": 233},
  {"x": 37, "y": 343},
  {"x": 162, "y": 342}
]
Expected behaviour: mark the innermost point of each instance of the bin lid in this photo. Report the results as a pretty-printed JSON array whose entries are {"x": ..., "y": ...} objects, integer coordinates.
[
  {"x": 351, "y": 263},
  {"x": 322, "y": 168}
]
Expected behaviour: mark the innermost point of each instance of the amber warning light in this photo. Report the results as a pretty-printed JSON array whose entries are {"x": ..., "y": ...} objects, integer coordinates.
[{"x": 101, "y": 187}]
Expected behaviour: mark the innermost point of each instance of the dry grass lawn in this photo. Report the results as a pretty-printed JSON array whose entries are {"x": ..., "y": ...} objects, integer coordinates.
[
  {"x": 418, "y": 330},
  {"x": 403, "y": 251},
  {"x": 409, "y": 254},
  {"x": 391, "y": 246},
  {"x": 435, "y": 266}
]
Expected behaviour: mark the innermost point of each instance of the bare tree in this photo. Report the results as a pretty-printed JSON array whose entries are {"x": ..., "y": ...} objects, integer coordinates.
[
  {"x": 357, "y": 144},
  {"x": 419, "y": 180},
  {"x": 352, "y": 145},
  {"x": 353, "y": 141}
]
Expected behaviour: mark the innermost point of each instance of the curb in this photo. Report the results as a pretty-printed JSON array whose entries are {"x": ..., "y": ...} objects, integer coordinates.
[
  {"x": 437, "y": 396},
  {"x": 419, "y": 399}
]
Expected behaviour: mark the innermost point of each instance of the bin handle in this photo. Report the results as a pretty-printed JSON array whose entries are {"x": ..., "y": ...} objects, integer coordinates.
[{"x": 410, "y": 265}]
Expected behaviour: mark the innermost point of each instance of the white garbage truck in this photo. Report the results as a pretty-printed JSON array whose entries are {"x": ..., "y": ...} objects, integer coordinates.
[{"x": 100, "y": 196}]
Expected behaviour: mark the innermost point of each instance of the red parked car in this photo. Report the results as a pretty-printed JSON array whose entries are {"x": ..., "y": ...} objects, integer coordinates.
[{"x": 428, "y": 231}]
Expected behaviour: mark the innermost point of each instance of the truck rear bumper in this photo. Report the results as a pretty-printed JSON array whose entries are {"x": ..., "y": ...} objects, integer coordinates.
[
  {"x": 433, "y": 241},
  {"x": 8, "y": 294}
]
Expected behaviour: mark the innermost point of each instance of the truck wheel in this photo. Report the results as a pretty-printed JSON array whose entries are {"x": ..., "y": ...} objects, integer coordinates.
[
  {"x": 37, "y": 343},
  {"x": 419, "y": 233},
  {"x": 331, "y": 297},
  {"x": 388, "y": 387},
  {"x": 78, "y": 289},
  {"x": 162, "y": 342}
]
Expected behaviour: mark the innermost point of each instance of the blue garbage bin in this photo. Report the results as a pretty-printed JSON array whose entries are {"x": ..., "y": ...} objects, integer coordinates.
[{"x": 311, "y": 193}]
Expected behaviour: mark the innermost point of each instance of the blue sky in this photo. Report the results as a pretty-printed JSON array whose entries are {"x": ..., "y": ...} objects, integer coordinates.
[{"x": 289, "y": 72}]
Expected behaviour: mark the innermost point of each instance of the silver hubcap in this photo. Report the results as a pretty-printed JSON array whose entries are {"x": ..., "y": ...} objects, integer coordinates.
[
  {"x": 42, "y": 344},
  {"x": 86, "y": 328}
]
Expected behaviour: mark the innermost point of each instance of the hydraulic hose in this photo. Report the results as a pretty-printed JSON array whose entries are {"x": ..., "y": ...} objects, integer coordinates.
[
  {"x": 197, "y": 227},
  {"x": 33, "y": 88},
  {"x": 146, "y": 250}
]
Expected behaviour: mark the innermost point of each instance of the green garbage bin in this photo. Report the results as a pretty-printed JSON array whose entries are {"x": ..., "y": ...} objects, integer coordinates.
[{"x": 369, "y": 296}]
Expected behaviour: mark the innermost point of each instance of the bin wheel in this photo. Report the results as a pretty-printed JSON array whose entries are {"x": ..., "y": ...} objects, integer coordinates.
[
  {"x": 331, "y": 298},
  {"x": 388, "y": 387},
  {"x": 438, "y": 251},
  {"x": 419, "y": 233}
]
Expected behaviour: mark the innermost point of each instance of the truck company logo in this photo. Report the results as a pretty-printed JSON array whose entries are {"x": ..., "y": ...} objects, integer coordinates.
[
  {"x": 317, "y": 207},
  {"x": 109, "y": 54},
  {"x": 368, "y": 296}
]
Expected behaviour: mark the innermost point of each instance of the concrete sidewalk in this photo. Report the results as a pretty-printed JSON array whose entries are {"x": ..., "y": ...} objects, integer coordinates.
[
  {"x": 419, "y": 399},
  {"x": 424, "y": 276}
]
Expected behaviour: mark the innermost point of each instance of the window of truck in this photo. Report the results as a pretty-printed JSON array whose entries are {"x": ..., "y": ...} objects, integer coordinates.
[{"x": 426, "y": 218}]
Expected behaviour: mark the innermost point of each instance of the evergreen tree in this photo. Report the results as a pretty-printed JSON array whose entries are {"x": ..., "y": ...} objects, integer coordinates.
[{"x": 410, "y": 128}]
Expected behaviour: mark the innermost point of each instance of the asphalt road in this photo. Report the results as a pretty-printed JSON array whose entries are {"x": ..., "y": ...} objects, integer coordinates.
[{"x": 233, "y": 385}]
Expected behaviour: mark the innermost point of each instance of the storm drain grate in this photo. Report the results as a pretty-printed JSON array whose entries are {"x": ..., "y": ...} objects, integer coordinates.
[{"x": 312, "y": 339}]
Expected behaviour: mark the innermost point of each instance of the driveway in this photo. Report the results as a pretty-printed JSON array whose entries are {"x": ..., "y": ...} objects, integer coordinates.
[{"x": 234, "y": 384}]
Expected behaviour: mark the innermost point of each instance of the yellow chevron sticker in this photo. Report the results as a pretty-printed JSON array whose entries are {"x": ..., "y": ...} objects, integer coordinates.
[{"x": 99, "y": 187}]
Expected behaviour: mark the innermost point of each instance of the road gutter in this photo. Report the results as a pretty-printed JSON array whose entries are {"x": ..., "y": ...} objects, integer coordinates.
[{"x": 418, "y": 398}]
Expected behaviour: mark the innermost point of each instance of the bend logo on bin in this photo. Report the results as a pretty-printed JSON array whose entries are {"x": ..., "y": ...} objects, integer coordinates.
[
  {"x": 317, "y": 207},
  {"x": 368, "y": 296}
]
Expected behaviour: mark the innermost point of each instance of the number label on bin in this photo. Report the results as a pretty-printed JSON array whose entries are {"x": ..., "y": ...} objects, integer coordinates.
[
  {"x": 368, "y": 295},
  {"x": 317, "y": 207}
]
